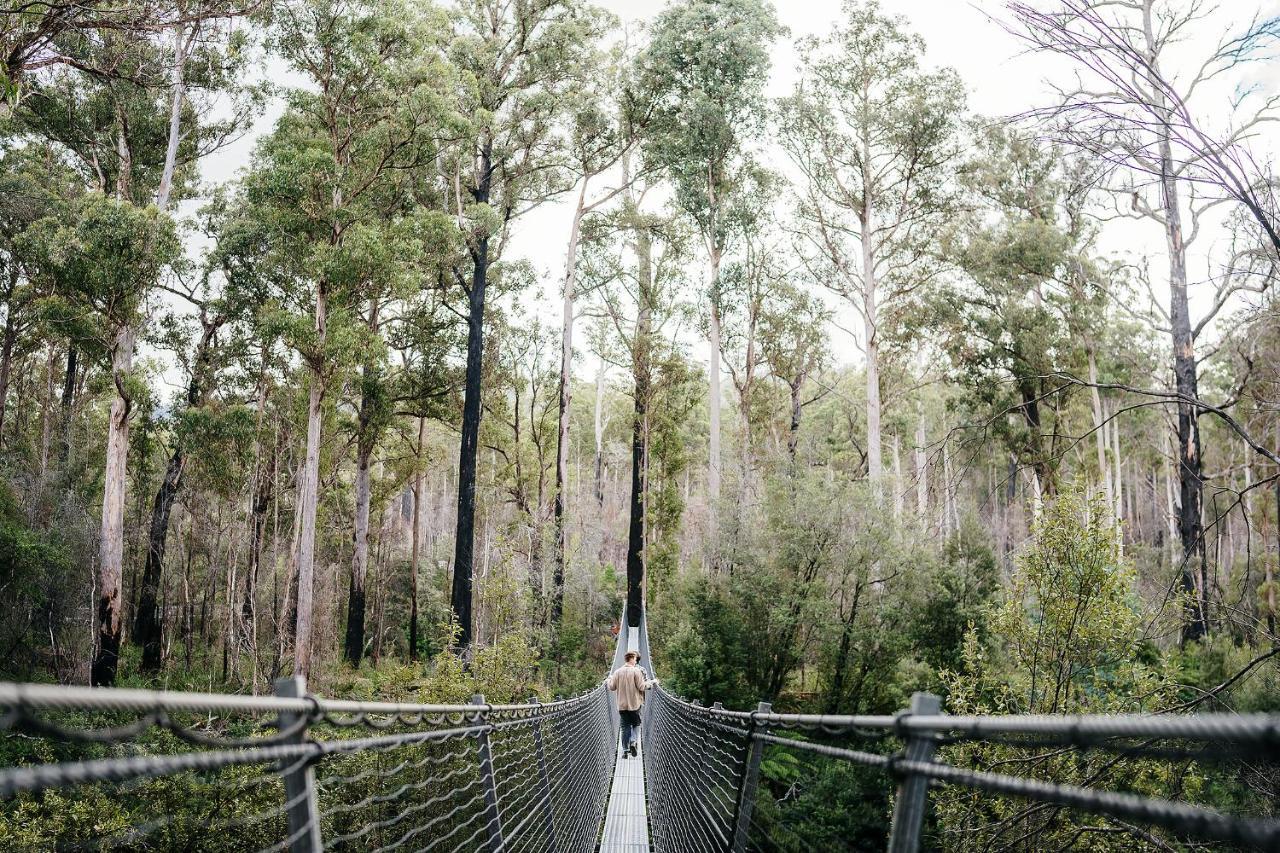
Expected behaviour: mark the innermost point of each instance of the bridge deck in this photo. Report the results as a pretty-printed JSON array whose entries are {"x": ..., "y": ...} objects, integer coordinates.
[{"x": 626, "y": 824}]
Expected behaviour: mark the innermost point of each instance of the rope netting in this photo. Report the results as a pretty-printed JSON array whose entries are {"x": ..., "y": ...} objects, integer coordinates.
[
  {"x": 702, "y": 792},
  {"x": 103, "y": 769}
]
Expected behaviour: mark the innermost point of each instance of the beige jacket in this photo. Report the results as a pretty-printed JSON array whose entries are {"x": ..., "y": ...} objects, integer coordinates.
[{"x": 629, "y": 683}]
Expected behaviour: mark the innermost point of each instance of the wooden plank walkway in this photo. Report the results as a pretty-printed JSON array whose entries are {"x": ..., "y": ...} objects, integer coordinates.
[{"x": 626, "y": 824}]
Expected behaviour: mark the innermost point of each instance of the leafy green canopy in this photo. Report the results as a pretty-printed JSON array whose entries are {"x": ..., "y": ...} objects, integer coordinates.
[{"x": 705, "y": 70}]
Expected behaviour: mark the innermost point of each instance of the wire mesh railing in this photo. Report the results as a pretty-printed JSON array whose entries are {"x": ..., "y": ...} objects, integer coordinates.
[
  {"x": 92, "y": 769},
  {"x": 704, "y": 764}
]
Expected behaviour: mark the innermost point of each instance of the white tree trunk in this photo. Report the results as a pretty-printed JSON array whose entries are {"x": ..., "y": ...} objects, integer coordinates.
[
  {"x": 875, "y": 461},
  {"x": 713, "y": 399},
  {"x": 922, "y": 483},
  {"x": 178, "y": 89},
  {"x": 562, "y": 430},
  {"x": 897, "y": 480},
  {"x": 599, "y": 436},
  {"x": 110, "y": 579},
  {"x": 1100, "y": 430},
  {"x": 308, "y": 492}
]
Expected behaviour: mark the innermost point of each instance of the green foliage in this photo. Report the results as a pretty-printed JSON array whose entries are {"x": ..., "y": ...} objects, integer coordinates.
[
  {"x": 706, "y": 658},
  {"x": 704, "y": 71},
  {"x": 955, "y": 601},
  {"x": 103, "y": 260},
  {"x": 1064, "y": 641},
  {"x": 33, "y": 569},
  {"x": 818, "y": 804}
]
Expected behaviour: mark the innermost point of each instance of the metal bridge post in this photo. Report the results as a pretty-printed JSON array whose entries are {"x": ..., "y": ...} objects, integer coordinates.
[
  {"x": 494, "y": 822},
  {"x": 750, "y": 780},
  {"x": 545, "y": 776},
  {"x": 913, "y": 791},
  {"x": 299, "y": 779}
]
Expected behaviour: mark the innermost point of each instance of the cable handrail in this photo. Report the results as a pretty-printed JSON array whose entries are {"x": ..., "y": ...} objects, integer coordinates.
[
  {"x": 536, "y": 775},
  {"x": 1255, "y": 729},
  {"x": 730, "y": 745},
  {"x": 72, "y": 697}
]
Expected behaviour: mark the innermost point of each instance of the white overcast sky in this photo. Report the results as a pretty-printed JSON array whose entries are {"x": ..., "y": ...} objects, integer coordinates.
[{"x": 1002, "y": 79}]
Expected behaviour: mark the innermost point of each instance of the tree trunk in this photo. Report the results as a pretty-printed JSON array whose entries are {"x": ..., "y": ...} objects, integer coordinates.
[
  {"x": 178, "y": 89},
  {"x": 713, "y": 402},
  {"x": 1100, "y": 429},
  {"x": 68, "y": 399},
  {"x": 562, "y": 431},
  {"x": 1191, "y": 486},
  {"x": 416, "y": 548},
  {"x": 6, "y": 348},
  {"x": 308, "y": 494},
  {"x": 898, "y": 497},
  {"x": 262, "y": 495},
  {"x": 46, "y": 419},
  {"x": 870, "y": 317},
  {"x": 922, "y": 483},
  {"x": 365, "y": 442},
  {"x": 111, "y": 543},
  {"x": 641, "y": 372},
  {"x": 793, "y": 428},
  {"x": 599, "y": 436},
  {"x": 1186, "y": 383},
  {"x": 464, "y": 539},
  {"x": 354, "y": 648}
]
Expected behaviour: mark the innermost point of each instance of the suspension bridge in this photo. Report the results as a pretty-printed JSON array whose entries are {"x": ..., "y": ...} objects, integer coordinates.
[{"x": 146, "y": 770}]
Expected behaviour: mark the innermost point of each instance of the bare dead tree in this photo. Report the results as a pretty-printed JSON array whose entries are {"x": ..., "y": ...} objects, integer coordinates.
[{"x": 1128, "y": 109}]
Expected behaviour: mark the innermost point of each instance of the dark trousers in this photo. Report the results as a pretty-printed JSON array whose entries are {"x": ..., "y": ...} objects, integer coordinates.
[{"x": 630, "y": 720}]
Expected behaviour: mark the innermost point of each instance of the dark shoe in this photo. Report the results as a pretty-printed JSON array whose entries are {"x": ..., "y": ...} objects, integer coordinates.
[{"x": 633, "y": 749}]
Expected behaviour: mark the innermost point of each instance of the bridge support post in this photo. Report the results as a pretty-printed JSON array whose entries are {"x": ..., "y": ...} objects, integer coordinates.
[
  {"x": 493, "y": 817},
  {"x": 913, "y": 791},
  {"x": 299, "y": 779},
  {"x": 545, "y": 777},
  {"x": 750, "y": 781}
]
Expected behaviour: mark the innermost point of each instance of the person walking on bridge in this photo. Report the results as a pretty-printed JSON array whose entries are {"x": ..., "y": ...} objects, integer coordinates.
[{"x": 630, "y": 683}]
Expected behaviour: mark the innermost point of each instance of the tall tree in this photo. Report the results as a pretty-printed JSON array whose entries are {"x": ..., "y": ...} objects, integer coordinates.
[
  {"x": 638, "y": 274},
  {"x": 793, "y": 342},
  {"x": 706, "y": 66},
  {"x": 521, "y": 61},
  {"x": 1132, "y": 108},
  {"x": 104, "y": 261},
  {"x": 1033, "y": 298},
  {"x": 125, "y": 140},
  {"x": 874, "y": 137},
  {"x": 604, "y": 130},
  {"x": 315, "y": 203},
  {"x": 205, "y": 62}
]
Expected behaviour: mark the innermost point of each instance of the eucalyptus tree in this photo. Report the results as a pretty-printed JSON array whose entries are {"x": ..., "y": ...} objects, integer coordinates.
[
  {"x": 316, "y": 199},
  {"x": 519, "y": 430},
  {"x": 605, "y": 124},
  {"x": 103, "y": 108},
  {"x": 706, "y": 66},
  {"x": 643, "y": 301},
  {"x": 1033, "y": 299},
  {"x": 793, "y": 343},
  {"x": 102, "y": 261},
  {"x": 34, "y": 183},
  {"x": 1135, "y": 105},
  {"x": 874, "y": 137},
  {"x": 521, "y": 63},
  {"x": 391, "y": 250},
  {"x": 34, "y": 37},
  {"x": 207, "y": 62}
]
